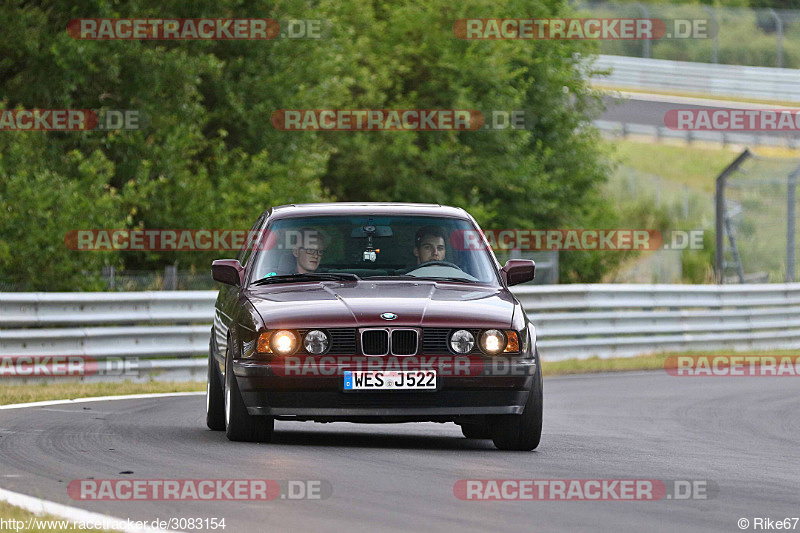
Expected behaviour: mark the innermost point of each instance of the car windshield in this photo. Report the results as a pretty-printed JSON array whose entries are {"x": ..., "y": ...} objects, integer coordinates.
[{"x": 373, "y": 247}]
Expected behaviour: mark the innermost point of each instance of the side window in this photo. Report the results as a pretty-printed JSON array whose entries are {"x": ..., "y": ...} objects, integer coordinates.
[{"x": 247, "y": 250}]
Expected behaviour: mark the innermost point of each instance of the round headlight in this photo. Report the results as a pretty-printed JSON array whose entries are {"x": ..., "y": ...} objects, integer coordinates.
[
  {"x": 316, "y": 342},
  {"x": 462, "y": 341},
  {"x": 283, "y": 342},
  {"x": 493, "y": 341}
]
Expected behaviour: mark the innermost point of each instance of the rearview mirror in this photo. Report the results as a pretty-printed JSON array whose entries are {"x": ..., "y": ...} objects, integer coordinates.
[
  {"x": 227, "y": 271},
  {"x": 518, "y": 271},
  {"x": 375, "y": 231}
]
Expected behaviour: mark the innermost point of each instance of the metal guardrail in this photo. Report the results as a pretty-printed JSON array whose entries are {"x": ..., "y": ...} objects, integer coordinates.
[
  {"x": 166, "y": 330},
  {"x": 762, "y": 83},
  {"x": 580, "y": 321},
  {"x": 166, "y": 327},
  {"x": 92, "y": 308},
  {"x": 622, "y": 129}
]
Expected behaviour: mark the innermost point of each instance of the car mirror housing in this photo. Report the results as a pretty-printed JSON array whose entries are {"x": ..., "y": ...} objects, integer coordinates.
[
  {"x": 227, "y": 271},
  {"x": 518, "y": 271}
]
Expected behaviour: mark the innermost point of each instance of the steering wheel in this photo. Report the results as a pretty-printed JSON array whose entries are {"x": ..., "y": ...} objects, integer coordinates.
[{"x": 436, "y": 263}]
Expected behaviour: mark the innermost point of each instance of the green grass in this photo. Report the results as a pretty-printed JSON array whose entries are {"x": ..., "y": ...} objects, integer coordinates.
[
  {"x": 692, "y": 166},
  {"x": 8, "y": 511}
]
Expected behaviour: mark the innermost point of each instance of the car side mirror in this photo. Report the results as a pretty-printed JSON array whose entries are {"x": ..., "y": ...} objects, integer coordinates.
[
  {"x": 227, "y": 271},
  {"x": 518, "y": 271}
]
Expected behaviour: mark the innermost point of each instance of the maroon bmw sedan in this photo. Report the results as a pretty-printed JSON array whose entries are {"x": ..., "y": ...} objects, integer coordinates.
[{"x": 372, "y": 312}]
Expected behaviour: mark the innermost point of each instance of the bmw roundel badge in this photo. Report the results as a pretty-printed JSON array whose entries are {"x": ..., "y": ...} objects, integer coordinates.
[{"x": 388, "y": 316}]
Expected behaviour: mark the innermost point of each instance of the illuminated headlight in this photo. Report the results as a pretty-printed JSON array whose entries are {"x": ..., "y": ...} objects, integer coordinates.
[
  {"x": 462, "y": 341},
  {"x": 493, "y": 341},
  {"x": 316, "y": 342},
  {"x": 283, "y": 342}
]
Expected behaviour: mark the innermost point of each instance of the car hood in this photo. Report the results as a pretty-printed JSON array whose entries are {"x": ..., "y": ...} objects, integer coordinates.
[{"x": 360, "y": 304}]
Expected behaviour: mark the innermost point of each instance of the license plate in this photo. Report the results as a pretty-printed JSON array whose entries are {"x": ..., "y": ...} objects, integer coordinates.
[{"x": 357, "y": 380}]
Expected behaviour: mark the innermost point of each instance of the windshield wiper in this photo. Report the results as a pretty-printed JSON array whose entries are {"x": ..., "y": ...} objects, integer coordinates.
[
  {"x": 437, "y": 278},
  {"x": 311, "y": 276},
  {"x": 425, "y": 278}
]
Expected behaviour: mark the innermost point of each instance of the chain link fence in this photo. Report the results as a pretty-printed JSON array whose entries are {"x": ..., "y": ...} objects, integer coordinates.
[
  {"x": 111, "y": 279},
  {"x": 650, "y": 201},
  {"x": 752, "y": 215},
  {"x": 171, "y": 279},
  {"x": 756, "y": 210}
]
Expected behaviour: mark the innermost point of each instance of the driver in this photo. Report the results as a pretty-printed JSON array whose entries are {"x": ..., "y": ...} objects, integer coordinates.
[{"x": 429, "y": 244}]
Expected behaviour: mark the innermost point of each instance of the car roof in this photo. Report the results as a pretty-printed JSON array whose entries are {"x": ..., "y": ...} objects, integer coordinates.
[{"x": 368, "y": 208}]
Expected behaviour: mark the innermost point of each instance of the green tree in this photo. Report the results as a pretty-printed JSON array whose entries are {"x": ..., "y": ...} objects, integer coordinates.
[{"x": 208, "y": 156}]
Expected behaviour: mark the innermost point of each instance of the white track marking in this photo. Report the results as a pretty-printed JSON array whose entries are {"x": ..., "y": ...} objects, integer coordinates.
[
  {"x": 99, "y": 399},
  {"x": 65, "y": 512}
]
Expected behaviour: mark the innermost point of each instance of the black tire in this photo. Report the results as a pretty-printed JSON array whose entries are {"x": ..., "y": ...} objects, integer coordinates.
[
  {"x": 215, "y": 397},
  {"x": 239, "y": 424},
  {"x": 476, "y": 431},
  {"x": 521, "y": 432}
]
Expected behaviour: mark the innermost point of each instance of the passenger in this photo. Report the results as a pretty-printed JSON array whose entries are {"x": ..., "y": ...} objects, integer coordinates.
[{"x": 309, "y": 251}]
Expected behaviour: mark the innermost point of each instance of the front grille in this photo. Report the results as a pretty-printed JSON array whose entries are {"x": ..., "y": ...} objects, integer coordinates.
[
  {"x": 434, "y": 341},
  {"x": 375, "y": 342},
  {"x": 404, "y": 342},
  {"x": 343, "y": 341}
]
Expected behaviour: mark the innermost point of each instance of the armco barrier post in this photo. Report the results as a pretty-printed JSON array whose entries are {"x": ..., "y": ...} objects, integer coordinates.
[
  {"x": 791, "y": 195},
  {"x": 719, "y": 199}
]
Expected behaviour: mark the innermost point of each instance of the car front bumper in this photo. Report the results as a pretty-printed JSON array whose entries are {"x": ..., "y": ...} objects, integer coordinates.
[{"x": 323, "y": 397}]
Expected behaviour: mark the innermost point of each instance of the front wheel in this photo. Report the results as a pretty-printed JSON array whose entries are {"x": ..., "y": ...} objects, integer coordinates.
[
  {"x": 521, "y": 432},
  {"x": 239, "y": 424}
]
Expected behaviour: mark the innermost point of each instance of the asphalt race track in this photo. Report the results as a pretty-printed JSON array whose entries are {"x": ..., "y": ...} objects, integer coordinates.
[
  {"x": 641, "y": 110},
  {"x": 740, "y": 433}
]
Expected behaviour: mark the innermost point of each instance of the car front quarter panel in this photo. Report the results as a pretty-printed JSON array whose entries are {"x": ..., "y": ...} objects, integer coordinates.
[{"x": 248, "y": 323}]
